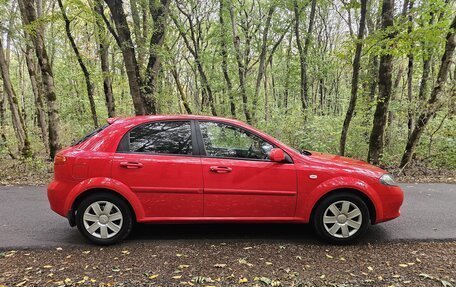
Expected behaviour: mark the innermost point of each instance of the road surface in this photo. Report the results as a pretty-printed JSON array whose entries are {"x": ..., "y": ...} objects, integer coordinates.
[{"x": 26, "y": 221}]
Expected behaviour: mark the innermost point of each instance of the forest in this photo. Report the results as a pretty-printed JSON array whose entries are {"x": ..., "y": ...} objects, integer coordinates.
[{"x": 372, "y": 80}]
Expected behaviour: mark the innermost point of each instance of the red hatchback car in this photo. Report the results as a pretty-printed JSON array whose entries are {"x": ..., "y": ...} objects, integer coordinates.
[{"x": 188, "y": 169}]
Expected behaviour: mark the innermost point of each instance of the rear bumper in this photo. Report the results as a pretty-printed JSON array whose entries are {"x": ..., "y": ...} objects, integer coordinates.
[
  {"x": 392, "y": 198},
  {"x": 57, "y": 192}
]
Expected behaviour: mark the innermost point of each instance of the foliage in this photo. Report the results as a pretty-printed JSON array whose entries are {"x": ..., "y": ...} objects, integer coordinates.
[{"x": 277, "y": 109}]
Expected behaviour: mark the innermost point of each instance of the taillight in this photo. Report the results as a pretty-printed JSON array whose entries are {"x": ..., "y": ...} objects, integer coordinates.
[{"x": 59, "y": 159}]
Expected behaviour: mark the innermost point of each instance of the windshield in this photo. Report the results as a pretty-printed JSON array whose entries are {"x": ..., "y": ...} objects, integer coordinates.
[{"x": 89, "y": 135}]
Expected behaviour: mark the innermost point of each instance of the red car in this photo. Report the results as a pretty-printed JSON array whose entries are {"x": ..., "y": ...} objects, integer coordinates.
[{"x": 188, "y": 169}]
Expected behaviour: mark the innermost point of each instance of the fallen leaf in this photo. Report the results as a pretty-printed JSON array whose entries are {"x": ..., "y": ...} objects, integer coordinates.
[
  {"x": 177, "y": 277},
  {"x": 403, "y": 265},
  {"x": 243, "y": 280},
  {"x": 370, "y": 268},
  {"x": 86, "y": 252},
  {"x": 329, "y": 256},
  {"x": 322, "y": 276},
  {"x": 153, "y": 276},
  {"x": 276, "y": 283},
  {"x": 265, "y": 280},
  {"x": 47, "y": 266},
  {"x": 268, "y": 263},
  {"x": 182, "y": 266},
  {"x": 244, "y": 261}
]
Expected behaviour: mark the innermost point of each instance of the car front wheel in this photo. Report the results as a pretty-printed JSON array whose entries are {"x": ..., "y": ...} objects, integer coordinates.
[
  {"x": 341, "y": 218},
  {"x": 104, "y": 218}
]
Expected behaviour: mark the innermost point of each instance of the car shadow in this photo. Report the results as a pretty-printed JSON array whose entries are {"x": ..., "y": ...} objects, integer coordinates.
[{"x": 289, "y": 233}]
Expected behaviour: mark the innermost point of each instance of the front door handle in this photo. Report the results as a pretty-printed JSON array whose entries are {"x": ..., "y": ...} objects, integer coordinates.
[
  {"x": 220, "y": 169},
  {"x": 131, "y": 165}
]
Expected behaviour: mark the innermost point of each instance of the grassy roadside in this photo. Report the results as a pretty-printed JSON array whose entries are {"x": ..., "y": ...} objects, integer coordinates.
[{"x": 214, "y": 263}]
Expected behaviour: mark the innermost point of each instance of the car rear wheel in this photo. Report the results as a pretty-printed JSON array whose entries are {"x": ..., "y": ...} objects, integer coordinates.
[
  {"x": 341, "y": 218},
  {"x": 104, "y": 218}
]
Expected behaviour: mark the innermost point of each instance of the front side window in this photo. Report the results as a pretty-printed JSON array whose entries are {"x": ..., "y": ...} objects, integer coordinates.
[
  {"x": 222, "y": 140},
  {"x": 160, "y": 137}
]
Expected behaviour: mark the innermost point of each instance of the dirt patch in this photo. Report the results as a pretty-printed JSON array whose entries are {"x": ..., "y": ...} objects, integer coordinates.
[{"x": 234, "y": 264}]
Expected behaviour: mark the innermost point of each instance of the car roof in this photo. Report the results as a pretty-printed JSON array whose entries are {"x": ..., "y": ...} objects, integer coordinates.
[{"x": 141, "y": 119}]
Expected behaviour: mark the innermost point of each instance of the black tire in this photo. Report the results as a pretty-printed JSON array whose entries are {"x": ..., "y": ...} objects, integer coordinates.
[
  {"x": 122, "y": 206},
  {"x": 318, "y": 214}
]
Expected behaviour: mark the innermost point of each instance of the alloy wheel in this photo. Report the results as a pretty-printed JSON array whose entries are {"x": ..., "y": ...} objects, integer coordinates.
[
  {"x": 102, "y": 219},
  {"x": 342, "y": 219}
]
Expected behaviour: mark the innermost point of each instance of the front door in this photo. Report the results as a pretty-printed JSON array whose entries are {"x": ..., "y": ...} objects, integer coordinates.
[
  {"x": 156, "y": 160},
  {"x": 239, "y": 179}
]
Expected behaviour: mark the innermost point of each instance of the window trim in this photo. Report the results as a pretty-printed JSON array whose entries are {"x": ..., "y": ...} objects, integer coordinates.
[
  {"x": 195, "y": 146},
  {"x": 202, "y": 149}
]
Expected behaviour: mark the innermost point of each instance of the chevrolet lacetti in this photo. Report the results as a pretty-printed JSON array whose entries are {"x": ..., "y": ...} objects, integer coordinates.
[{"x": 193, "y": 169}]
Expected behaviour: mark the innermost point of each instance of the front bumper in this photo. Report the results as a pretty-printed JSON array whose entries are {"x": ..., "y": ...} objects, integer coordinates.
[{"x": 392, "y": 199}]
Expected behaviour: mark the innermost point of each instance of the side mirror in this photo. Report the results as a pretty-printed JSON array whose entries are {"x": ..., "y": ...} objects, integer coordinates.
[{"x": 276, "y": 155}]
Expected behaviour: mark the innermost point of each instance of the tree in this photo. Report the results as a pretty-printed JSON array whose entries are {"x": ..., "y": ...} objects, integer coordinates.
[
  {"x": 303, "y": 50},
  {"x": 28, "y": 14},
  {"x": 434, "y": 102},
  {"x": 125, "y": 43},
  {"x": 88, "y": 81},
  {"x": 103, "y": 51},
  {"x": 355, "y": 78},
  {"x": 17, "y": 119},
  {"x": 224, "y": 54},
  {"x": 384, "y": 87}
]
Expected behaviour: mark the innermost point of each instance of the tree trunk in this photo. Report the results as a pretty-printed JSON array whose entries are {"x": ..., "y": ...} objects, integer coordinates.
[
  {"x": 158, "y": 11},
  {"x": 3, "y": 139},
  {"x": 224, "y": 53},
  {"x": 434, "y": 102},
  {"x": 89, "y": 84},
  {"x": 410, "y": 112},
  {"x": 16, "y": 116},
  {"x": 103, "y": 46},
  {"x": 181, "y": 90},
  {"x": 123, "y": 39},
  {"x": 37, "y": 90},
  {"x": 303, "y": 51},
  {"x": 262, "y": 59},
  {"x": 384, "y": 90},
  {"x": 355, "y": 79},
  {"x": 241, "y": 68},
  {"x": 28, "y": 13},
  {"x": 207, "y": 95}
]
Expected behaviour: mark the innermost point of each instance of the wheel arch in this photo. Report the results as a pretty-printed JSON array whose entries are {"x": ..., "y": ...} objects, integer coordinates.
[
  {"x": 369, "y": 203},
  {"x": 72, "y": 212},
  {"x": 108, "y": 185}
]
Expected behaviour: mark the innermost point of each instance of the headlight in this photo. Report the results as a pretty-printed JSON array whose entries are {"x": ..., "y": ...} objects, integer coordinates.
[{"x": 388, "y": 179}]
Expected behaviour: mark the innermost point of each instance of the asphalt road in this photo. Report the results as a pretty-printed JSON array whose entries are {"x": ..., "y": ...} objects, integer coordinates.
[{"x": 26, "y": 221}]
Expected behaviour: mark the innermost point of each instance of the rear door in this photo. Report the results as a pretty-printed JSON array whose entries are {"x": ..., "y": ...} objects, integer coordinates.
[
  {"x": 239, "y": 179},
  {"x": 159, "y": 162}
]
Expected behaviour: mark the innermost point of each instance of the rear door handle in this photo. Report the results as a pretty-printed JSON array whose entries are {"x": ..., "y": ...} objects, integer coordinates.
[
  {"x": 131, "y": 165},
  {"x": 220, "y": 169}
]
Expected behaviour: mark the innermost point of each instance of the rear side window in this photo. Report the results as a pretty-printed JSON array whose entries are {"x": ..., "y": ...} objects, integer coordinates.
[
  {"x": 159, "y": 137},
  {"x": 91, "y": 134}
]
